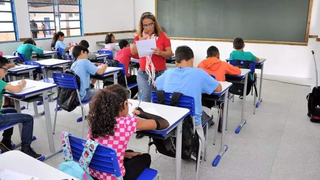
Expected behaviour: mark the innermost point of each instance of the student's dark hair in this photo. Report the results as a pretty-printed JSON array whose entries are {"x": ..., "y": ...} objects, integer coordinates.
[
  {"x": 77, "y": 51},
  {"x": 212, "y": 51},
  {"x": 108, "y": 38},
  {"x": 84, "y": 43},
  {"x": 183, "y": 53},
  {"x": 104, "y": 109},
  {"x": 123, "y": 43},
  {"x": 238, "y": 43},
  {"x": 3, "y": 61},
  {"x": 56, "y": 37},
  {"x": 30, "y": 41}
]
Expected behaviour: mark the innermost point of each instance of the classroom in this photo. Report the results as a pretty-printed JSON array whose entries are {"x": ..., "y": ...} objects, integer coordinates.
[{"x": 159, "y": 89}]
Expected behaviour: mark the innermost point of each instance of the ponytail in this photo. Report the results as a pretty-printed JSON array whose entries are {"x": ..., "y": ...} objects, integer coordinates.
[
  {"x": 108, "y": 38},
  {"x": 55, "y": 38}
]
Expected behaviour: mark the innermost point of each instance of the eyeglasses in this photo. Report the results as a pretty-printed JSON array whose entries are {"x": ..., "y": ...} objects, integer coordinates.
[
  {"x": 148, "y": 25},
  {"x": 5, "y": 69}
]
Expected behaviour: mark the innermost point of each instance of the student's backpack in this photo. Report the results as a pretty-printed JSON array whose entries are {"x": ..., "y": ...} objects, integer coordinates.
[
  {"x": 68, "y": 98},
  {"x": 77, "y": 169},
  {"x": 190, "y": 140},
  {"x": 313, "y": 99},
  {"x": 238, "y": 87}
]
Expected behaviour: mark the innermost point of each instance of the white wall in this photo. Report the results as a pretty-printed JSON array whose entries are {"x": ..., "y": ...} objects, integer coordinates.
[
  {"x": 107, "y": 15},
  {"x": 282, "y": 60}
]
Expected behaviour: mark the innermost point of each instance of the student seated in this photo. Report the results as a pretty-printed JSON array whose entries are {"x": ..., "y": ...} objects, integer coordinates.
[
  {"x": 239, "y": 54},
  {"x": 189, "y": 81},
  {"x": 28, "y": 47},
  {"x": 83, "y": 68},
  {"x": 9, "y": 116},
  {"x": 124, "y": 56},
  {"x": 57, "y": 43},
  {"x": 214, "y": 66},
  {"x": 111, "y": 45},
  {"x": 111, "y": 126}
]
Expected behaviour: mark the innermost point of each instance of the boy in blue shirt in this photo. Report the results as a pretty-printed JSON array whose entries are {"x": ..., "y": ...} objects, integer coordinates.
[
  {"x": 189, "y": 81},
  {"x": 239, "y": 54},
  {"x": 83, "y": 68},
  {"x": 9, "y": 116}
]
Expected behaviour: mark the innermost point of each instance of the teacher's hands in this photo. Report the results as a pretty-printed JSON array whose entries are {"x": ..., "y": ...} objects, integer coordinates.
[{"x": 157, "y": 51}]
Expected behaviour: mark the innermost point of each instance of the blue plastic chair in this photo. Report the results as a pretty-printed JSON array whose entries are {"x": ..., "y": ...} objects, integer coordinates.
[
  {"x": 69, "y": 81},
  {"x": 110, "y": 53},
  {"x": 105, "y": 160},
  {"x": 187, "y": 102},
  {"x": 21, "y": 57},
  {"x": 124, "y": 73},
  {"x": 63, "y": 55}
]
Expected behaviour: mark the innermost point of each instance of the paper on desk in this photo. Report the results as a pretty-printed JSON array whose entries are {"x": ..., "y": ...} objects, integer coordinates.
[
  {"x": 148, "y": 110},
  {"x": 6, "y": 174},
  {"x": 145, "y": 47}
]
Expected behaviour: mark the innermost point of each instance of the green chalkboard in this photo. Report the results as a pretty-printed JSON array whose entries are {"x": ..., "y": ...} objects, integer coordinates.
[{"x": 261, "y": 20}]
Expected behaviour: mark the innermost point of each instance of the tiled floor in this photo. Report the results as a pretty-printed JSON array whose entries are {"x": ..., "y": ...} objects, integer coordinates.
[{"x": 277, "y": 143}]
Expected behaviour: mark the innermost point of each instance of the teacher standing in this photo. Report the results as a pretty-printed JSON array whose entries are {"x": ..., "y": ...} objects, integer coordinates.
[{"x": 154, "y": 65}]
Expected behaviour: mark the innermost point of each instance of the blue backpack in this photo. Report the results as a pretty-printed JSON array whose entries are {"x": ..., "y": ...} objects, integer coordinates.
[{"x": 75, "y": 169}]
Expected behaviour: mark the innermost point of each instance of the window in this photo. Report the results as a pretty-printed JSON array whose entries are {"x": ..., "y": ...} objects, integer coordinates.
[
  {"x": 50, "y": 16},
  {"x": 8, "y": 26}
]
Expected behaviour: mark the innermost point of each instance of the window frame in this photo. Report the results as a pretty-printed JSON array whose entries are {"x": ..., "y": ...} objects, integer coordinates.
[
  {"x": 57, "y": 15},
  {"x": 14, "y": 21}
]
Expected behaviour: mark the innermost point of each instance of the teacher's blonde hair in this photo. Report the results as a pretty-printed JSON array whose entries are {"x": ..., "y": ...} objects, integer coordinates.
[{"x": 149, "y": 15}]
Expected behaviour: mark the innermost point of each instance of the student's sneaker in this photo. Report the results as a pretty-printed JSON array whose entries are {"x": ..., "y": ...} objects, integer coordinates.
[
  {"x": 6, "y": 146},
  {"x": 91, "y": 86},
  {"x": 139, "y": 136},
  {"x": 29, "y": 151},
  {"x": 240, "y": 97}
]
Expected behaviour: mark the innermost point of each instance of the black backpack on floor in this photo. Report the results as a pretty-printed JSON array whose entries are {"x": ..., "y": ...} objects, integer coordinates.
[
  {"x": 68, "y": 98},
  {"x": 313, "y": 99},
  {"x": 190, "y": 140}
]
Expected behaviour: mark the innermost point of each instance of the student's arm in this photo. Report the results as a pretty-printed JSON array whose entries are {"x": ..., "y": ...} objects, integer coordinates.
[
  {"x": 17, "y": 88},
  {"x": 92, "y": 69},
  {"x": 209, "y": 84},
  {"x": 254, "y": 58},
  {"x": 67, "y": 48},
  {"x": 12, "y": 65},
  {"x": 146, "y": 124},
  {"x": 36, "y": 49},
  {"x": 233, "y": 70},
  {"x": 102, "y": 69}
]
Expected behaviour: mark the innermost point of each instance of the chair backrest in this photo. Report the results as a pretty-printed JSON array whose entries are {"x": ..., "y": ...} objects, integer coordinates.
[
  {"x": 184, "y": 101},
  {"x": 244, "y": 64},
  {"x": 110, "y": 54},
  {"x": 39, "y": 69},
  {"x": 20, "y": 57},
  {"x": 104, "y": 159},
  {"x": 123, "y": 71},
  {"x": 64, "y": 80}
]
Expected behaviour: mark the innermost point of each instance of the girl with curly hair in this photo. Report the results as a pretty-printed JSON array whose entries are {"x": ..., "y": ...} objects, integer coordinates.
[{"x": 111, "y": 126}]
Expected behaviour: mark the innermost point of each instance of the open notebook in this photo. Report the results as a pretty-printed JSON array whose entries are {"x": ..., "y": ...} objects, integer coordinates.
[{"x": 6, "y": 174}]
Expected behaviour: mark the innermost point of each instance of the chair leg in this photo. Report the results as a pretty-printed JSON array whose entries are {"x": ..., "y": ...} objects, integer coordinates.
[
  {"x": 206, "y": 143},
  {"x": 55, "y": 119},
  {"x": 198, "y": 159},
  {"x": 216, "y": 126},
  {"x": 149, "y": 145},
  {"x": 83, "y": 121}
]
